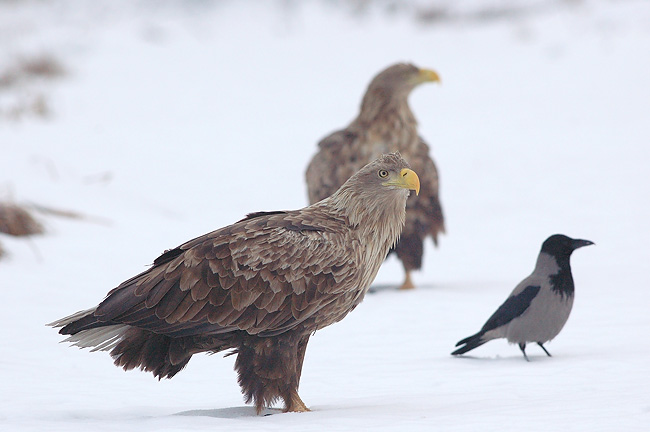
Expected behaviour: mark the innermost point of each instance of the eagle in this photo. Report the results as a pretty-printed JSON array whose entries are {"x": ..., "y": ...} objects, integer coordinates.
[
  {"x": 385, "y": 124},
  {"x": 258, "y": 288}
]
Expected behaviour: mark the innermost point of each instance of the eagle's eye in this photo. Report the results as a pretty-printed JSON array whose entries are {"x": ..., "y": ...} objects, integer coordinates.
[{"x": 382, "y": 173}]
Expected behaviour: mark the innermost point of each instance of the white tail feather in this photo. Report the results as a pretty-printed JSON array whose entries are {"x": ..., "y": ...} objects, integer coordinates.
[
  {"x": 71, "y": 318},
  {"x": 100, "y": 339}
]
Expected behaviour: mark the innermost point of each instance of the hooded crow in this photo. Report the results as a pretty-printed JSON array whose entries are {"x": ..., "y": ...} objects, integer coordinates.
[{"x": 539, "y": 306}]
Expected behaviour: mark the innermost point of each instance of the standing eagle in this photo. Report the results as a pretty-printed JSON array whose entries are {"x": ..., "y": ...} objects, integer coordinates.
[
  {"x": 259, "y": 287},
  {"x": 385, "y": 124}
]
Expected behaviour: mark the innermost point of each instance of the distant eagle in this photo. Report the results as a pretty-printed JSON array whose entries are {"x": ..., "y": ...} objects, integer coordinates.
[
  {"x": 385, "y": 124},
  {"x": 259, "y": 287}
]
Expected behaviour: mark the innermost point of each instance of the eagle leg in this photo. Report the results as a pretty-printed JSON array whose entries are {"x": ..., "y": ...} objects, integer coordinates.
[
  {"x": 269, "y": 369},
  {"x": 294, "y": 404},
  {"x": 409, "y": 250},
  {"x": 408, "y": 283}
]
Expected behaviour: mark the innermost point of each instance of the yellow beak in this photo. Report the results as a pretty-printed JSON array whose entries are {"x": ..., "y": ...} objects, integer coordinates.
[
  {"x": 428, "y": 75},
  {"x": 407, "y": 179}
]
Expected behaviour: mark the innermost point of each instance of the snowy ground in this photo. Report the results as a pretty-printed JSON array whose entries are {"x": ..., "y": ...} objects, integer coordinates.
[{"x": 541, "y": 125}]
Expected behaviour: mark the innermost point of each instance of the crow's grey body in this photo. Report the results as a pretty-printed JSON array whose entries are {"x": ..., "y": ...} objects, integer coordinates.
[{"x": 539, "y": 306}]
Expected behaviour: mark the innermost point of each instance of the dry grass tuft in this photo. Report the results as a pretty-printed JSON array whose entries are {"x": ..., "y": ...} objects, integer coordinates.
[
  {"x": 30, "y": 68},
  {"x": 17, "y": 221},
  {"x": 23, "y": 86},
  {"x": 45, "y": 66}
]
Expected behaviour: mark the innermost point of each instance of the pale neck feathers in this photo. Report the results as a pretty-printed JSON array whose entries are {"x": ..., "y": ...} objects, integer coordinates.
[{"x": 378, "y": 214}]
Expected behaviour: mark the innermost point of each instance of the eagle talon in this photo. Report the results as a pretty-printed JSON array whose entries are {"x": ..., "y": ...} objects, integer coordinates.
[{"x": 295, "y": 404}]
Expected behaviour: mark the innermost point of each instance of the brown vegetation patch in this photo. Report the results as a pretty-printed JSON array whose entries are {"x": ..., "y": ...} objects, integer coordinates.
[
  {"x": 16, "y": 221},
  {"x": 23, "y": 86}
]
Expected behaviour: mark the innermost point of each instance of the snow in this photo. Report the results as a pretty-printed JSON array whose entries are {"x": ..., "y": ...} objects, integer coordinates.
[{"x": 176, "y": 118}]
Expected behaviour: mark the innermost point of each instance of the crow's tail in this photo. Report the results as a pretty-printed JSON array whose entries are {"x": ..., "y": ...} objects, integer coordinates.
[{"x": 469, "y": 343}]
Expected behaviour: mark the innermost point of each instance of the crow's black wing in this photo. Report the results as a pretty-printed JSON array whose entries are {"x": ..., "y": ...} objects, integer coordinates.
[{"x": 513, "y": 307}]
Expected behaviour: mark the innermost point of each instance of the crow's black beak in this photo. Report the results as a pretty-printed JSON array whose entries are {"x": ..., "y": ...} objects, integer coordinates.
[{"x": 578, "y": 243}]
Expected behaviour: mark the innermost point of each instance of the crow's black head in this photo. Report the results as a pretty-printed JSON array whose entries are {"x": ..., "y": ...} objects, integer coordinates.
[{"x": 559, "y": 245}]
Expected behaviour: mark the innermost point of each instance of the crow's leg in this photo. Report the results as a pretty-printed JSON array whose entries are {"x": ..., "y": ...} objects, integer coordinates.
[
  {"x": 542, "y": 346},
  {"x": 522, "y": 347}
]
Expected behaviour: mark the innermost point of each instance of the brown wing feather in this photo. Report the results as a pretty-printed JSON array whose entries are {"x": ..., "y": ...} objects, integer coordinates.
[
  {"x": 338, "y": 158},
  {"x": 424, "y": 211},
  {"x": 270, "y": 281}
]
